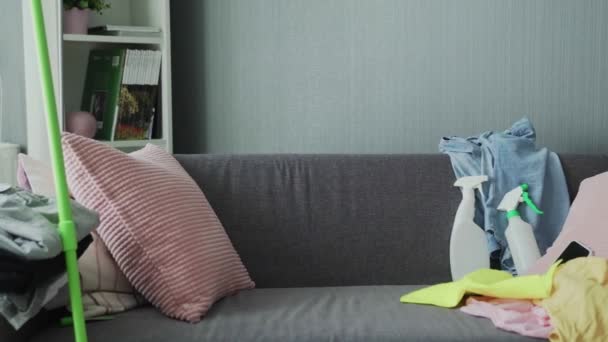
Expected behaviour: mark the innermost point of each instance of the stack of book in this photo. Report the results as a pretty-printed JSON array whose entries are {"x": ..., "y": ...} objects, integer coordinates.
[
  {"x": 121, "y": 30},
  {"x": 121, "y": 91}
]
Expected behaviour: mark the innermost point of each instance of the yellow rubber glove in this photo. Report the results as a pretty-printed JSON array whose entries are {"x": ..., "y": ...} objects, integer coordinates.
[{"x": 487, "y": 282}]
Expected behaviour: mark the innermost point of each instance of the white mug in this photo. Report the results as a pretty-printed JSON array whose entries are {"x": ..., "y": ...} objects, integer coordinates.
[{"x": 8, "y": 163}]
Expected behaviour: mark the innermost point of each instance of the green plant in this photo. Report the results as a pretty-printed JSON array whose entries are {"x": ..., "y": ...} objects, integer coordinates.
[{"x": 94, "y": 5}]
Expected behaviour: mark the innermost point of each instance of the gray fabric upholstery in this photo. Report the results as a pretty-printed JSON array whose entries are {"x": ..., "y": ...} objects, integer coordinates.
[
  {"x": 577, "y": 167},
  {"x": 327, "y": 220},
  {"x": 320, "y": 314},
  {"x": 332, "y": 220}
]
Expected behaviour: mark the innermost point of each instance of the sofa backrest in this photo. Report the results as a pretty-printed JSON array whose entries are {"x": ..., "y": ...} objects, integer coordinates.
[{"x": 333, "y": 220}]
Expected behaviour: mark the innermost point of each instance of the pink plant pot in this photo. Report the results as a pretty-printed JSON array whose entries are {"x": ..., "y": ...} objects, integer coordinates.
[{"x": 76, "y": 21}]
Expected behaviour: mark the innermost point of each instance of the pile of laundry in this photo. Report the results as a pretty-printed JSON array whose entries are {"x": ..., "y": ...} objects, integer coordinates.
[
  {"x": 509, "y": 159},
  {"x": 557, "y": 297},
  {"x": 32, "y": 265},
  {"x": 568, "y": 303}
]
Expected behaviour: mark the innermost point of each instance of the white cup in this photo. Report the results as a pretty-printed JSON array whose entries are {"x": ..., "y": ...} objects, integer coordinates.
[{"x": 8, "y": 163}]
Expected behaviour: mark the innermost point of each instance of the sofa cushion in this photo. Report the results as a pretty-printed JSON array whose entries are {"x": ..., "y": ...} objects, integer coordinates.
[
  {"x": 157, "y": 224},
  {"x": 333, "y": 220},
  {"x": 364, "y": 314},
  {"x": 336, "y": 220}
]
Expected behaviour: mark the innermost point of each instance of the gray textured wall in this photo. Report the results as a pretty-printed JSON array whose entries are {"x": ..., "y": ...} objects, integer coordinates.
[
  {"x": 386, "y": 75},
  {"x": 12, "y": 87}
]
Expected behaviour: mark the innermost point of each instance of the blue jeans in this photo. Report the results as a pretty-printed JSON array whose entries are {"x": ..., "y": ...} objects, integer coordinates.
[{"x": 509, "y": 159}]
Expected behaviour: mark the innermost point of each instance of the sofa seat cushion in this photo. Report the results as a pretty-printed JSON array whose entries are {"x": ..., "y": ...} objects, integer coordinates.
[{"x": 361, "y": 313}]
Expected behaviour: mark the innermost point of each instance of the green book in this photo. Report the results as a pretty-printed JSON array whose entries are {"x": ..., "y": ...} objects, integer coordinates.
[{"x": 102, "y": 88}]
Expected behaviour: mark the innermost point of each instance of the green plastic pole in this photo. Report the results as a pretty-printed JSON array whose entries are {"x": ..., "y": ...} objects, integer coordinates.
[{"x": 67, "y": 229}]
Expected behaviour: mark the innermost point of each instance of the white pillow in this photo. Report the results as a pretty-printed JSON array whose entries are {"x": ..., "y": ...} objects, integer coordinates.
[{"x": 39, "y": 175}]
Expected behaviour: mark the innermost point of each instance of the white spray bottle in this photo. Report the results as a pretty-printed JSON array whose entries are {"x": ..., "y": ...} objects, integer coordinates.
[
  {"x": 519, "y": 233},
  {"x": 468, "y": 243}
]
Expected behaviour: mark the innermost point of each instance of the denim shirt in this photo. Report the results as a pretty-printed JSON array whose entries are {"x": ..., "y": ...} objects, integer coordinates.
[{"x": 509, "y": 159}]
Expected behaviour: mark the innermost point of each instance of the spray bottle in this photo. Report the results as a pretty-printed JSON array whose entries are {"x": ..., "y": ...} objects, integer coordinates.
[
  {"x": 519, "y": 233},
  {"x": 468, "y": 243}
]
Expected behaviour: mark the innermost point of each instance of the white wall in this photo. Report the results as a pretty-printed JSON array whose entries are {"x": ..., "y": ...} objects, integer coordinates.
[{"x": 12, "y": 86}]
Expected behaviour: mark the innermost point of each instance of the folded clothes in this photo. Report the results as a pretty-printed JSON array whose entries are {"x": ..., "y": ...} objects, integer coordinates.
[
  {"x": 18, "y": 309},
  {"x": 14, "y": 281},
  {"x": 29, "y": 231},
  {"x": 29, "y": 224},
  {"x": 18, "y": 275}
]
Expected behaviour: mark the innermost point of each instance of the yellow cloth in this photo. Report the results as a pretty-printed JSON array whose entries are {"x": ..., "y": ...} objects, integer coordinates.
[
  {"x": 490, "y": 283},
  {"x": 578, "y": 305}
]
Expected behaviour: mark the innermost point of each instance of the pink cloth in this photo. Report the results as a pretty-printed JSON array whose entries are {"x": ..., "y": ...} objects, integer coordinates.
[
  {"x": 517, "y": 315},
  {"x": 586, "y": 223}
]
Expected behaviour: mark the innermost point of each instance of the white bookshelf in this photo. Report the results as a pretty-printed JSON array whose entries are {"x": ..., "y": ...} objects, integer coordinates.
[
  {"x": 69, "y": 59},
  {"x": 93, "y": 39},
  {"x": 132, "y": 144}
]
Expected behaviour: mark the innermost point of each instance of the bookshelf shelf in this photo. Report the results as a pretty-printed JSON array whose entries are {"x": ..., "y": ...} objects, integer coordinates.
[
  {"x": 69, "y": 55},
  {"x": 135, "y": 143},
  {"x": 90, "y": 38}
]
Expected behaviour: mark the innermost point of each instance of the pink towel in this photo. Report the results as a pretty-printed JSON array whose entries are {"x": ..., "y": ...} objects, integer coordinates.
[{"x": 516, "y": 315}]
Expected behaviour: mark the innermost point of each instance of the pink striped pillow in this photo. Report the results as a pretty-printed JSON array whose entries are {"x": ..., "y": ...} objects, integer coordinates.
[{"x": 157, "y": 224}]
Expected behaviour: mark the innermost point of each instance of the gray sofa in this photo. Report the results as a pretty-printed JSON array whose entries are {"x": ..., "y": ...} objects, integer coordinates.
[{"x": 332, "y": 242}]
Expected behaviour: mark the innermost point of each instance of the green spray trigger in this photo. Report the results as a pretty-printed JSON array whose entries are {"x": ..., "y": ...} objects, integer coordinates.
[{"x": 526, "y": 198}]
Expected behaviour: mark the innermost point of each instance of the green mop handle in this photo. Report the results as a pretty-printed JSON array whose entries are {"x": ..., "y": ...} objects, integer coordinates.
[{"x": 67, "y": 229}]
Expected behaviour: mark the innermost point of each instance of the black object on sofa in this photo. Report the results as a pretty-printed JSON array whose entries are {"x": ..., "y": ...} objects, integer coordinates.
[{"x": 332, "y": 242}]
